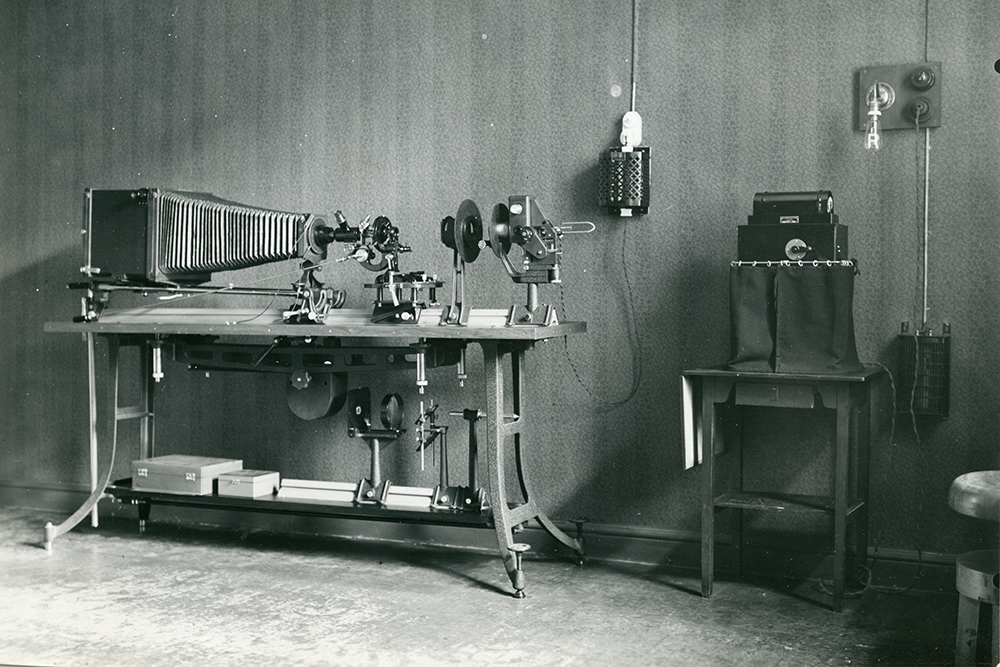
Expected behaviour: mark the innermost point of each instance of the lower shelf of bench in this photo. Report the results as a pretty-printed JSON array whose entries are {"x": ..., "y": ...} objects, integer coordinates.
[{"x": 122, "y": 490}]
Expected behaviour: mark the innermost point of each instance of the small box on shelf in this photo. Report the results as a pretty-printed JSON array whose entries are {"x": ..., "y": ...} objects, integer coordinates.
[
  {"x": 249, "y": 483},
  {"x": 180, "y": 473}
]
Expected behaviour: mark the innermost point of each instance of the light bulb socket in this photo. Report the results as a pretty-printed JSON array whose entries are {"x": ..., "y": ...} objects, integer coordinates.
[{"x": 882, "y": 94}]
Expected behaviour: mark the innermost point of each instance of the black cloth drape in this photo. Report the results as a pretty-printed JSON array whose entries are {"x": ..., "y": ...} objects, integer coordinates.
[{"x": 792, "y": 318}]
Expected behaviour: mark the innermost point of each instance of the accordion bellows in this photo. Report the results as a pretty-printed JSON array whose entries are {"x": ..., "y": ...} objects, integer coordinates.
[
  {"x": 173, "y": 236},
  {"x": 200, "y": 233}
]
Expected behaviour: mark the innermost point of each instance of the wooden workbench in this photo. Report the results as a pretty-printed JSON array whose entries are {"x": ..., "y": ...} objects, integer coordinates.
[{"x": 150, "y": 328}]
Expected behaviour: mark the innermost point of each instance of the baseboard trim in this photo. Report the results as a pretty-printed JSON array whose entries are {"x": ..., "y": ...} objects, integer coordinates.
[{"x": 663, "y": 549}]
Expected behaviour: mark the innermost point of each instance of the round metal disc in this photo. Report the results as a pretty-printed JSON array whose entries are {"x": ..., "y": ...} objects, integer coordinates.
[
  {"x": 468, "y": 230},
  {"x": 315, "y": 395},
  {"x": 392, "y": 411},
  {"x": 500, "y": 230}
]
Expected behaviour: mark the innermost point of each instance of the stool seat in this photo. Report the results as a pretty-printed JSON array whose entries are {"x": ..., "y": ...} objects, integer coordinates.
[{"x": 977, "y": 494}]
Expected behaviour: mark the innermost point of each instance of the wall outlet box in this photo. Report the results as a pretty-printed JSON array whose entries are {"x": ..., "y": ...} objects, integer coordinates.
[{"x": 916, "y": 93}]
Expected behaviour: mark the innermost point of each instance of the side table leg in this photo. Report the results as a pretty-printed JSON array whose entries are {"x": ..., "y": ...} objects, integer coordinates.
[
  {"x": 841, "y": 468},
  {"x": 863, "y": 449},
  {"x": 92, "y": 417},
  {"x": 707, "y": 486}
]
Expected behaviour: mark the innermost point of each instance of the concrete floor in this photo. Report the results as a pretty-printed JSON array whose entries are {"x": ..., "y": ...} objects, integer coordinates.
[{"x": 182, "y": 595}]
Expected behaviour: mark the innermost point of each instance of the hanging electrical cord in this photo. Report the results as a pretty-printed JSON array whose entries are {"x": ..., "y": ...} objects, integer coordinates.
[
  {"x": 925, "y": 308},
  {"x": 927, "y": 9},
  {"x": 632, "y": 56},
  {"x": 882, "y": 502},
  {"x": 635, "y": 341}
]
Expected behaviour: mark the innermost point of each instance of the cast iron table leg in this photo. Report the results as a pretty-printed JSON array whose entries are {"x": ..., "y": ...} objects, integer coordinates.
[
  {"x": 112, "y": 415},
  {"x": 499, "y": 426}
]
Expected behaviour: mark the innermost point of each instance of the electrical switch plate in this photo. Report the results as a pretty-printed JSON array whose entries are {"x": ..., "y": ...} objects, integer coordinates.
[{"x": 917, "y": 89}]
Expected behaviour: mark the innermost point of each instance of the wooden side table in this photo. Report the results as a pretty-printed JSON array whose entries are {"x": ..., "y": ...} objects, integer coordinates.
[{"x": 848, "y": 395}]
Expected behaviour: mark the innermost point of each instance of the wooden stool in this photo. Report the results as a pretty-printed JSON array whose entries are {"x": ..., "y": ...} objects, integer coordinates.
[{"x": 977, "y": 573}]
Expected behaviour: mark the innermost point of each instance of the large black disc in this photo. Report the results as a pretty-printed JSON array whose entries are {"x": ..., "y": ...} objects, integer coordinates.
[{"x": 468, "y": 231}]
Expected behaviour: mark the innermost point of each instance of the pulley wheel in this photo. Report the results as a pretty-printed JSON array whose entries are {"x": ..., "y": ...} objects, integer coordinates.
[
  {"x": 468, "y": 230},
  {"x": 315, "y": 395},
  {"x": 392, "y": 411},
  {"x": 500, "y": 230}
]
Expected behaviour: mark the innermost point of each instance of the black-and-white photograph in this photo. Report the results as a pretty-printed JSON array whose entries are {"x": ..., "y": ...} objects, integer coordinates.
[{"x": 475, "y": 333}]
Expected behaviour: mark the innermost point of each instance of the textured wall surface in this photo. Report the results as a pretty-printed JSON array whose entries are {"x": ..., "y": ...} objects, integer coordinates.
[{"x": 405, "y": 109}]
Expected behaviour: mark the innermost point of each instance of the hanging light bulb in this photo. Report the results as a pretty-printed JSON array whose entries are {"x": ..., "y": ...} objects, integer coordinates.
[
  {"x": 873, "y": 129},
  {"x": 880, "y": 96}
]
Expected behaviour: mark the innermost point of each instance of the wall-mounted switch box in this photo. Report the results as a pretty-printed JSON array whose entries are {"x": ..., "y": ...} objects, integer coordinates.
[
  {"x": 923, "y": 381},
  {"x": 915, "y": 100}
]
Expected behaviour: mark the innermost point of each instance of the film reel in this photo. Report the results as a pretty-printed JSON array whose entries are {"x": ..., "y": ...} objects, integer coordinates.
[{"x": 468, "y": 231}]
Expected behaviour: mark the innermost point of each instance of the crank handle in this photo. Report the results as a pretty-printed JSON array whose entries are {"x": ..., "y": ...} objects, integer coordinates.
[{"x": 583, "y": 227}]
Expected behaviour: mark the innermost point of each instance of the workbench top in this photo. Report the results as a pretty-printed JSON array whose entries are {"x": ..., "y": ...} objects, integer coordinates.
[{"x": 484, "y": 324}]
